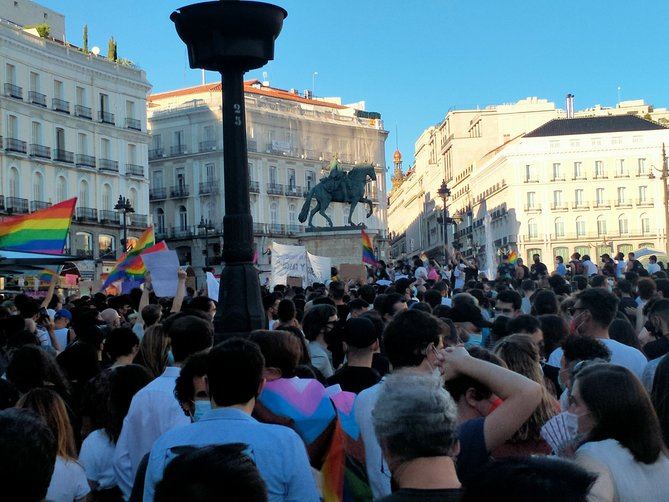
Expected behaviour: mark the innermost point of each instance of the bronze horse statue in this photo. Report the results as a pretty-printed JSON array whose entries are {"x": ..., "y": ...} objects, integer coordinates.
[{"x": 339, "y": 187}]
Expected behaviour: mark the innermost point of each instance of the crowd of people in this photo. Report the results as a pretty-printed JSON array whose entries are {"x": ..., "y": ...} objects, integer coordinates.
[{"x": 427, "y": 382}]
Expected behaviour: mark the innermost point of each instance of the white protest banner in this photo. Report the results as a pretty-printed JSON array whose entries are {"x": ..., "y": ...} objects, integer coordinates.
[
  {"x": 288, "y": 261},
  {"x": 163, "y": 267},
  {"x": 320, "y": 268},
  {"x": 213, "y": 286}
]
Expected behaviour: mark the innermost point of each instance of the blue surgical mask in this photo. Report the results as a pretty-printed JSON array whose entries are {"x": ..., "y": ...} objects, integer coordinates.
[
  {"x": 170, "y": 358},
  {"x": 414, "y": 291},
  {"x": 202, "y": 406}
]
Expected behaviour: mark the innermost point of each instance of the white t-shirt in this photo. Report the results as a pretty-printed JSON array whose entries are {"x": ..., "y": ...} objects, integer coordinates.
[
  {"x": 651, "y": 268},
  {"x": 68, "y": 482},
  {"x": 590, "y": 268},
  {"x": 621, "y": 354},
  {"x": 97, "y": 459},
  {"x": 421, "y": 273}
]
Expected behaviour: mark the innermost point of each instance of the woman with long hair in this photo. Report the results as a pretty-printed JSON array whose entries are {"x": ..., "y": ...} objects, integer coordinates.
[
  {"x": 660, "y": 397},
  {"x": 521, "y": 355},
  {"x": 154, "y": 350},
  {"x": 68, "y": 482},
  {"x": 620, "y": 435}
]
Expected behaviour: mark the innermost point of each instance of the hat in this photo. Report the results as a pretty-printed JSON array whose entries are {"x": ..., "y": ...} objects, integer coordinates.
[
  {"x": 605, "y": 255},
  {"x": 63, "y": 313},
  {"x": 109, "y": 315},
  {"x": 401, "y": 285},
  {"x": 359, "y": 332},
  {"x": 467, "y": 312}
]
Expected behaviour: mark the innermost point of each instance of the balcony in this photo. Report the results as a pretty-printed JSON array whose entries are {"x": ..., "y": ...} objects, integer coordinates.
[
  {"x": 555, "y": 206},
  {"x": 276, "y": 229},
  {"x": 602, "y": 204},
  {"x": 294, "y": 229},
  {"x": 106, "y": 118},
  {"x": 622, "y": 174},
  {"x": 13, "y": 91},
  {"x": 623, "y": 203},
  {"x": 87, "y": 254},
  {"x": 558, "y": 178},
  {"x": 178, "y": 150},
  {"x": 254, "y": 187},
  {"x": 294, "y": 191},
  {"x": 208, "y": 146},
  {"x": 85, "y": 160},
  {"x": 180, "y": 232},
  {"x": 108, "y": 165},
  {"x": 156, "y": 153},
  {"x": 16, "y": 205},
  {"x": 89, "y": 214},
  {"x": 63, "y": 156},
  {"x": 60, "y": 105},
  {"x": 139, "y": 220},
  {"x": 530, "y": 180},
  {"x": 580, "y": 205},
  {"x": 43, "y": 152},
  {"x": 600, "y": 176},
  {"x": 37, "y": 98},
  {"x": 134, "y": 170},
  {"x": 133, "y": 124},
  {"x": 259, "y": 228},
  {"x": 107, "y": 216},
  {"x": 15, "y": 145},
  {"x": 533, "y": 238},
  {"x": 83, "y": 111},
  {"x": 157, "y": 193},
  {"x": 645, "y": 202},
  {"x": 36, "y": 205},
  {"x": 209, "y": 187},
  {"x": 107, "y": 254},
  {"x": 161, "y": 233},
  {"x": 274, "y": 189},
  {"x": 533, "y": 208},
  {"x": 179, "y": 191}
]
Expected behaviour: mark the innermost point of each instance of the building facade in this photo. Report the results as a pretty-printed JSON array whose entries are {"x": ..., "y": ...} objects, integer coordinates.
[
  {"x": 292, "y": 138},
  {"x": 73, "y": 124}
]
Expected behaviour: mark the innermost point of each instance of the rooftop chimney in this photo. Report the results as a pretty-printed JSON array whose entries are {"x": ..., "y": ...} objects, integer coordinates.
[{"x": 570, "y": 106}]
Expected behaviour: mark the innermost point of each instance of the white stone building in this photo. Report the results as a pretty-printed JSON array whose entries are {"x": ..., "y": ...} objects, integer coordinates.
[
  {"x": 291, "y": 137},
  {"x": 72, "y": 124}
]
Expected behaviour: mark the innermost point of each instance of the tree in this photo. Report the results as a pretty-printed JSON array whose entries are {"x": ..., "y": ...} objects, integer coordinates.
[
  {"x": 111, "y": 49},
  {"x": 85, "y": 37},
  {"x": 43, "y": 29}
]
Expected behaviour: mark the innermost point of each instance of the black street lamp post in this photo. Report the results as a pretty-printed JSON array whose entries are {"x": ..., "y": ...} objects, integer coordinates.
[
  {"x": 233, "y": 37},
  {"x": 207, "y": 226},
  {"x": 123, "y": 205},
  {"x": 444, "y": 193}
]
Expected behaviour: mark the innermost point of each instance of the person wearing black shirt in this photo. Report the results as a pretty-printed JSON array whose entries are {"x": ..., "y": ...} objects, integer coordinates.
[
  {"x": 360, "y": 344},
  {"x": 538, "y": 269}
]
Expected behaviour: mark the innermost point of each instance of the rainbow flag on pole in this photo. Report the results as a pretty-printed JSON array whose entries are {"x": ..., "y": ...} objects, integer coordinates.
[
  {"x": 130, "y": 266},
  {"x": 43, "y": 231},
  {"x": 368, "y": 250},
  {"x": 513, "y": 257}
]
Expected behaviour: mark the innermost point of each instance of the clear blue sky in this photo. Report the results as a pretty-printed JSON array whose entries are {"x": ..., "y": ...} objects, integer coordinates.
[{"x": 413, "y": 60}]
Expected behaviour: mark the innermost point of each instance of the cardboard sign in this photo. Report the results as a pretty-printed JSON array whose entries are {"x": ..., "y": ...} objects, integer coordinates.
[
  {"x": 294, "y": 281},
  {"x": 354, "y": 271}
]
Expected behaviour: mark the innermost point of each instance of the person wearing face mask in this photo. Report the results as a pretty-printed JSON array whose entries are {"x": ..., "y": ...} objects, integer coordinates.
[
  {"x": 190, "y": 387},
  {"x": 620, "y": 435},
  {"x": 234, "y": 381},
  {"x": 477, "y": 382},
  {"x": 655, "y": 338},
  {"x": 577, "y": 349},
  {"x": 317, "y": 324},
  {"x": 591, "y": 316}
]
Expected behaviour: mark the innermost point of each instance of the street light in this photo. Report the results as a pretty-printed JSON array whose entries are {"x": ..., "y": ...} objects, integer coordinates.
[
  {"x": 206, "y": 225},
  {"x": 664, "y": 174},
  {"x": 233, "y": 37},
  {"x": 125, "y": 207},
  {"x": 444, "y": 192}
]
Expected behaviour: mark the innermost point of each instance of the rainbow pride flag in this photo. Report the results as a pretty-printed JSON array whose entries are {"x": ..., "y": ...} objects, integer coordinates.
[
  {"x": 43, "y": 231},
  {"x": 368, "y": 250},
  {"x": 130, "y": 266},
  {"x": 513, "y": 257}
]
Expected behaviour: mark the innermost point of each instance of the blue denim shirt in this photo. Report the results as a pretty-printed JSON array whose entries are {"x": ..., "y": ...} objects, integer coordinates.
[{"x": 277, "y": 451}]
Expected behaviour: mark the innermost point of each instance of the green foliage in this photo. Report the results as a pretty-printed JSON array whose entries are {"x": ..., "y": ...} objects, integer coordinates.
[
  {"x": 126, "y": 62},
  {"x": 85, "y": 39},
  {"x": 111, "y": 49},
  {"x": 43, "y": 29}
]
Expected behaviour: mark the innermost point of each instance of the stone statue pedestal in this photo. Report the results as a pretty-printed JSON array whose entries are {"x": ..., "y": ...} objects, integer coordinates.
[{"x": 343, "y": 245}]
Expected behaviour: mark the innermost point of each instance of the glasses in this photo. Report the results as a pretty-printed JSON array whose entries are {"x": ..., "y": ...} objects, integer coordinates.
[{"x": 573, "y": 310}]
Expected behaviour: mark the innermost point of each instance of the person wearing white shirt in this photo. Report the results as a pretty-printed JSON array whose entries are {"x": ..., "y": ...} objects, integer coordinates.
[
  {"x": 589, "y": 266},
  {"x": 154, "y": 410},
  {"x": 652, "y": 266},
  {"x": 593, "y": 312}
]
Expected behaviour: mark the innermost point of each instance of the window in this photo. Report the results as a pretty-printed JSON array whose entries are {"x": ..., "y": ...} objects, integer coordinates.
[
  {"x": 160, "y": 220},
  {"x": 34, "y": 81},
  {"x": 12, "y": 127},
  {"x": 156, "y": 141},
  {"x": 106, "y": 197},
  {"x": 83, "y": 143},
  {"x": 643, "y": 194},
  {"x": 564, "y": 252},
  {"x": 557, "y": 171},
  {"x": 529, "y": 173},
  {"x": 601, "y": 225},
  {"x": 38, "y": 186},
  {"x": 61, "y": 189},
  {"x": 104, "y": 103},
  {"x": 274, "y": 213},
  {"x": 14, "y": 188},
  {"x": 309, "y": 178},
  {"x": 623, "y": 225},
  {"x": 183, "y": 219},
  {"x": 530, "y": 200},
  {"x": 157, "y": 179},
  {"x": 578, "y": 171},
  {"x": 252, "y": 173},
  {"x": 272, "y": 175},
  {"x": 177, "y": 138},
  {"x": 646, "y": 245},
  {"x": 645, "y": 224},
  {"x": 625, "y": 248},
  {"x": 60, "y": 138},
  {"x": 599, "y": 169},
  {"x": 83, "y": 194},
  {"x": 84, "y": 241},
  {"x": 105, "y": 148},
  {"x": 620, "y": 168},
  {"x": 209, "y": 170},
  {"x": 10, "y": 74},
  {"x": 621, "y": 195},
  {"x": 559, "y": 227},
  {"x": 531, "y": 252},
  {"x": 208, "y": 133},
  {"x": 578, "y": 197},
  {"x": 580, "y": 226},
  {"x": 557, "y": 198},
  {"x": 291, "y": 178},
  {"x": 37, "y": 133},
  {"x": 132, "y": 154},
  {"x": 180, "y": 177},
  {"x": 554, "y": 145},
  {"x": 57, "y": 89},
  {"x": 81, "y": 96},
  {"x": 130, "y": 109},
  {"x": 582, "y": 250},
  {"x": 106, "y": 244},
  {"x": 601, "y": 249},
  {"x": 532, "y": 229},
  {"x": 292, "y": 220},
  {"x": 641, "y": 164},
  {"x": 596, "y": 142},
  {"x": 132, "y": 197}
]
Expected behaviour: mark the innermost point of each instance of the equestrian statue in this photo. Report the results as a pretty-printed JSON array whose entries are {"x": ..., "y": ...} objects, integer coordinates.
[{"x": 339, "y": 186}]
